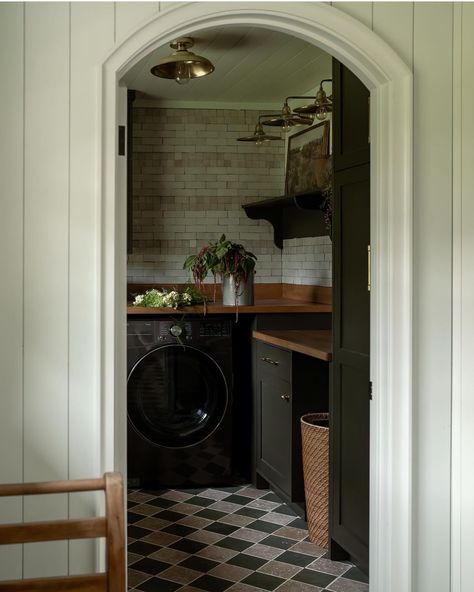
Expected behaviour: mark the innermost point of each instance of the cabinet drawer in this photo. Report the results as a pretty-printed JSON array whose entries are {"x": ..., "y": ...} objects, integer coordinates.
[{"x": 275, "y": 360}]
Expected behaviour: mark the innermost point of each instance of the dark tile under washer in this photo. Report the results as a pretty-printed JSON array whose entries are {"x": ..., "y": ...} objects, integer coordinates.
[
  {"x": 188, "y": 546},
  {"x": 135, "y": 532},
  {"x": 221, "y": 528},
  {"x": 158, "y": 585},
  {"x": 263, "y": 581},
  {"x": 200, "y": 501},
  {"x": 234, "y": 544},
  {"x": 211, "y": 584},
  {"x": 210, "y": 514},
  {"x": 142, "y": 548},
  {"x": 161, "y": 502},
  {"x": 178, "y": 530},
  {"x": 132, "y": 518},
  {"x": 271, "y": 497},
  {"x": 247, "y": 561},
  {"x": 199, "y": 564},
  {"x": 263, "y": 526},
  {"x": 251, "y": 513},
  {"x": 295, "y": 558},
  {"x": 315, "y": 578},
  {"x": 241, "y": 500},
  {"x": 278, "y": 542},
  {"x": 150, "y": 566},
  {"x": 169, "y": 516}
]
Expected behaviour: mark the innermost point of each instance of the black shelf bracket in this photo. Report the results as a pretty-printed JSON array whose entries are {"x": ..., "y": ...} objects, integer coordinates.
[{"x": 292, "y": 216}]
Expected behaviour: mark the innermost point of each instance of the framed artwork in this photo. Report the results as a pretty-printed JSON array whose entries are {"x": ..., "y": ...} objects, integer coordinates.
[{"x": 308, "y": 163}]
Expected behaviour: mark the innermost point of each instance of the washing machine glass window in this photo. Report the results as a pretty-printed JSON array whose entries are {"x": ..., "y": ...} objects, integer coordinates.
[{"x": 177, "y": 396}]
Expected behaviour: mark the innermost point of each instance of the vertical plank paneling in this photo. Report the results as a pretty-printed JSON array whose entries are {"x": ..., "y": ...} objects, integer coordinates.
[
  {"x": 393, "y": 21},
  {"x": 46, "y": 270},
  {"x": 467, "y": 342},
  {"x": 362, "y": 11},
  {"x": 433, "y": 43},
  {"x": 130, "y": 14},
  {"x": 94, "y": 22},
  {"x": 11, "y": 264}
]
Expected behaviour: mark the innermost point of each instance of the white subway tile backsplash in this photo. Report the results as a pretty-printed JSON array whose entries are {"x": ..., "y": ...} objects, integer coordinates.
[{"x": 190, "y": 180}]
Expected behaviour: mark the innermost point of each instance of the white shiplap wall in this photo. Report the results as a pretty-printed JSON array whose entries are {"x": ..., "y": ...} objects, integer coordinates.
[{"x": 49, "y": 60}]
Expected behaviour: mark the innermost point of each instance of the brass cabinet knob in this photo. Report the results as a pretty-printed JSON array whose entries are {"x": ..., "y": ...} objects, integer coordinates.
[{"x": 285, "y": 398}]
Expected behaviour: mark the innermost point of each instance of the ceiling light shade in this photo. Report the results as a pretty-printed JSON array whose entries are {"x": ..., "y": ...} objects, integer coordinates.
[
  {"x": 322, "y": 104},
  {"x": 286, "y": 119},
  {"x": 259, "y": 136},
  {"x": 182, "y": 65}
]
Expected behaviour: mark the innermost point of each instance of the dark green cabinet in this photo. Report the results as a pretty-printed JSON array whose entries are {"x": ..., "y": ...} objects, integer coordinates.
[
  {"x": 286, "y": 386},
  {"x": 350, "y": 388}
]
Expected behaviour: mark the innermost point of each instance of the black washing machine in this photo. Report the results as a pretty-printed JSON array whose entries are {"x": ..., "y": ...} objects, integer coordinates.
[{"x": 179, "y": 402}]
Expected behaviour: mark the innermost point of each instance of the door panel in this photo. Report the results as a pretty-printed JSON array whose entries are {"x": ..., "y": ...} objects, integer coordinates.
[{"x": 349, "y": 398}]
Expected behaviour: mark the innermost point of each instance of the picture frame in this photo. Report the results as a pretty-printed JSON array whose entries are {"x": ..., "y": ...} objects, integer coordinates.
[{"x": 308, "y": 163}]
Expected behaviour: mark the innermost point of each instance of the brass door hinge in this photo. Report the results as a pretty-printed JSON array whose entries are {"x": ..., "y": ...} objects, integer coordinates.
[{"x": 369, "y": 269}]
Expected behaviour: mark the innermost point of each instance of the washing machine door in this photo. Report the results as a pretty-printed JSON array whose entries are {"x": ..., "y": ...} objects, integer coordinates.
[{"x": 177, "y": 396}]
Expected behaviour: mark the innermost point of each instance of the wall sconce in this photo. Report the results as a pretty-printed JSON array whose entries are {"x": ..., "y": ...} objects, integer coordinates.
[
  {"x": 259, "y": 136},
  {"x": 322, "y": 104}
]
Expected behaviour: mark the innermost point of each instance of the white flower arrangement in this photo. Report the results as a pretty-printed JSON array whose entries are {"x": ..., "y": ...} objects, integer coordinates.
[{"x": 173, "y": 299}]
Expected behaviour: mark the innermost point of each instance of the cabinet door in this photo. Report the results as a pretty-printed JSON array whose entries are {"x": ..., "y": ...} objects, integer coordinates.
[
  {"x": 349, "y": 401},
  {"x": 274, "y": 433}
]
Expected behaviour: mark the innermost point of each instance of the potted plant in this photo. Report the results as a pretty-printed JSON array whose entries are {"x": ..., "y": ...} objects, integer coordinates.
[{"x": 229, "y": 261}]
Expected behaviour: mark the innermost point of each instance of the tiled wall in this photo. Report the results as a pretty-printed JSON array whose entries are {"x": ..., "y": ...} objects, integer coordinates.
[
  {"x": 307, "y": 261},
  {"x": 191, "y": 178}
]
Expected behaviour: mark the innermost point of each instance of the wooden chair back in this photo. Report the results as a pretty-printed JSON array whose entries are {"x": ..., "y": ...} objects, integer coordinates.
[{"x": 111, "y": 527}]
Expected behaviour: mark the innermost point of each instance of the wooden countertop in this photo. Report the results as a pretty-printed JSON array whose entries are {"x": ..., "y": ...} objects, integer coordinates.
[
  {"x": 312, "y": 342},
  {"x": 268, "y": 305}
]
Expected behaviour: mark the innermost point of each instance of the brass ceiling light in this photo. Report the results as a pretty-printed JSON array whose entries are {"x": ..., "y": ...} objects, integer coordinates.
[
  {"x": 286, "y": 119},
  {"x": 322, "y": 104},
  {"x": 259, "y": 136},
  {"x": 182, "y": 65}
]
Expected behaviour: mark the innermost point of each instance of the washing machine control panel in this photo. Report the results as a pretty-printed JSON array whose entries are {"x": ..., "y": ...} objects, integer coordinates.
[
  {"x": 214, "y": 329},
  {"x": 173, "y": 330}
]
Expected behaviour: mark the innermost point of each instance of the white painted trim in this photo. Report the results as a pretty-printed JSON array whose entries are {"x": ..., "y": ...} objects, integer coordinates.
[{"x": 390, "y": 82}]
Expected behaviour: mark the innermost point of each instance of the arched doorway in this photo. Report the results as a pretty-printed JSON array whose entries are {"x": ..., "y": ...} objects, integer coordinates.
[{"x": 390, "y": 83}]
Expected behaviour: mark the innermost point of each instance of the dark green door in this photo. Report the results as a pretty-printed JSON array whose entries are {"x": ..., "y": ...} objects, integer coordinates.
[{"x": 349, "y": 401}]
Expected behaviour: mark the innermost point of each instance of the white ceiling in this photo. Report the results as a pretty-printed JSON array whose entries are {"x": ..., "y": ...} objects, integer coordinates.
[{"x": 253, "y": 66}]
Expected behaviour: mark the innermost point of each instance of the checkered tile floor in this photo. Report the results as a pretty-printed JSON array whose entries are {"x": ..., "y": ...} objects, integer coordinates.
[{"x": 237, "y": 539}]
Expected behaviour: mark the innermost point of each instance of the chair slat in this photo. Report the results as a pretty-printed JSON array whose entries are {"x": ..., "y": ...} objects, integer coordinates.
[
  {"x": 54, "y": 530},
  {"x": 114, "y": 501},
  {"x": 83, "y": 583},
  {"x": 52, "y": 487}
]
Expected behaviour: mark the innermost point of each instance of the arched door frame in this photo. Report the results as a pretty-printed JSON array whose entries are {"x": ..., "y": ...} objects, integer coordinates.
[{"x": 390, "y": 84}]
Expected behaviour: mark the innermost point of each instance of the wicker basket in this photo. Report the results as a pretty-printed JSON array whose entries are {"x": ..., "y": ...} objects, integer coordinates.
[{"x": 315, "y": 441}]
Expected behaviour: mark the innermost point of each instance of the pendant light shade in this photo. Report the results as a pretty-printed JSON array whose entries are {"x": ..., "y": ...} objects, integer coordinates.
[
  {"x": 182, "y": 65},
  {"x": 259, "y": 136},
  {"x": 322, "y": 104},
  {"x": 286, "y": 119}
]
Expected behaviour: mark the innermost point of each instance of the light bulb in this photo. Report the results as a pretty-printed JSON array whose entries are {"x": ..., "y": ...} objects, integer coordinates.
[
  {"x": 321, "y": 113},
  {"x": 183, "y": 74}
]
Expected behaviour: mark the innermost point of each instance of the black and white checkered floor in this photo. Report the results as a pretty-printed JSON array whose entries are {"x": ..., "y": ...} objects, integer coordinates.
[{"x": 237, "y": 539}]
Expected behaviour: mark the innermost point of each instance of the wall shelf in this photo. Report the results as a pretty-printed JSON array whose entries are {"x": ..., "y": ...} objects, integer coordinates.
[{"x": 292, "y": 216}]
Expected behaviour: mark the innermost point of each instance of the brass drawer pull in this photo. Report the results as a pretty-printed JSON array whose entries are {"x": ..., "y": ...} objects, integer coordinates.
[
  {"x": 270, "y": 361},
  {"x": 285, "y": 398}
]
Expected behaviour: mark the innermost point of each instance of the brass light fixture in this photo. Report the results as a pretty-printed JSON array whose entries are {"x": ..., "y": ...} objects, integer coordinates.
[
  {"x": 322, "y": 104},
  {"x": 259, "y": 136},
  {"x": 287, "y": 119},
  {"x": 182, "y": 65}
]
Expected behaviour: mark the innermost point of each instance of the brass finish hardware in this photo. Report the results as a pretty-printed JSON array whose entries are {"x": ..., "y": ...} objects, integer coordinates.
[
  {"x": 369, "y": 269},
  {"x": 270, "y": 361},
  {"x": 285, "y": 398}
]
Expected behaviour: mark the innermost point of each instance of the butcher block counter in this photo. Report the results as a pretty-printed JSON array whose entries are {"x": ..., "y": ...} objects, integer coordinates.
[
  {"x": 311, "y": 342},
  {"x": 269, "y": 298}
]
